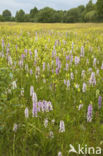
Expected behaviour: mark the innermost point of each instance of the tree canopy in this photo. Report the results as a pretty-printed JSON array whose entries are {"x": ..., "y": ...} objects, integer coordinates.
[{"x": 89, "y": 13}]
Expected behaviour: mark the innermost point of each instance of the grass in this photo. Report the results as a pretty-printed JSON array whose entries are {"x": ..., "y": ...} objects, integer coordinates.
[{"x": 35, "y": 55}]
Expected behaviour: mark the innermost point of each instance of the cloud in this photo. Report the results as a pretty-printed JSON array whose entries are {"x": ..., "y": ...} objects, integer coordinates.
[{"x": 26, "y": 5}]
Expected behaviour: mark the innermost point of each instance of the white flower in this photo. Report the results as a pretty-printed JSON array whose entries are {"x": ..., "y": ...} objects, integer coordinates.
[
  {"x": 72, "y": 76},
  {"x": 22, "y": 92},
  {"x": 84, "y": 87},
  {"x": 62, "y": 127},
  {"x": 15, "y": 127},
  {"x": 53, "y": 121},
  {"x": 77, "y": 60},
  {"x": 26, "y": 112},
  {"x": 80, "y": 107},
  {"x": 59, "y": 153},
  {"x": 45, "y": 123},
  {"x": 82, "y": 52},
  {"x": 10, "y": 60},
  {"x": 31, "y": 90},
  {"x": 51, "y": 134},
  {"x": 68, "y": 83}
]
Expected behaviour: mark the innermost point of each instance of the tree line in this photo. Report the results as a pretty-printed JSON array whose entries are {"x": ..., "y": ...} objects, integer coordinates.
[{"x": 89, "y": 13}]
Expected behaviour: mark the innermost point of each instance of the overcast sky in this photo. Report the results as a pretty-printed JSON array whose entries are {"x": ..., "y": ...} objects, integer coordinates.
[{"x": 26, "y": 5}]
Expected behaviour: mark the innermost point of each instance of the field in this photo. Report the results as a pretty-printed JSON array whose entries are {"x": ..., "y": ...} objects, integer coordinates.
[{"x": 51, "y": 88}]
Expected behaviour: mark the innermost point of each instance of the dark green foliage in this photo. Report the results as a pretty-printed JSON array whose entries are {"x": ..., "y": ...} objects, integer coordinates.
[
  {"x": 89, "y": 13},
  {"x": 6, "y": 15},
  {"x": 20, "y": 16},
  {"x": 99, "y": 6}
]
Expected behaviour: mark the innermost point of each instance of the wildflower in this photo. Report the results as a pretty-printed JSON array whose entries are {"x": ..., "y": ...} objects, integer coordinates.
[
  {"x": 62, "y": 127},
  {"x": 84, "y": 87},
  {"x": 80, "y": 107},
  {"x": 43, "y": 66},
  {"x": 89, "y": 113},
  {"x": 92, "y": 79},
  {"x": 31, "y": 90},
  {"x": 38, "y": 70},
  {"x": 31, "y": 72},
  {"x": 45, "y": 123},
  {"x": 57, "y": 71},
  {"x": 71, "y": 59},
  {"x": 102, "y": 66},
  {"x": 90, "y": 69},
  {"x": 34, "y": 109},
  {"x": 36, "y": 53},
  {"x": 51, "y": 134},
  {"x": 76, "y": 86},
  {"x": 53, "y": 121},
  {"x": 83, "y": 73},
  {"x": 14, "y": 85},
  {"x": 59, "y": 153},
  {"x": 26, "y": 67},
  {"x": 99, "y": 102},
  {"x": 15, "y": 127},
  {"x": 58, "y": 63},
  {"x": 34, "y": 97},
  {"x": 67, "y": 57},
  {"x": 67, "y": 66},
  {"x": 97, "y": 72},
  {"x": 49, "y": 106},
  {"x": 23, "y": 56},
  {"x": 10, "y": 60},
  {"x": 94, "y": 62},
  {"x": 21, "y": 63},
  {"x": 82, "y": 52},
  {"x": 26, "y": 112},
  {"x": 2, "y": 44},
  {"x": 30, "y": 53},
  {"x": 68, "y": 84},
  {"x": 72, "y": 45},
  {"x": 72, "y": 76},
  {"x": 44, "y": 80},
  {"x": 77, "y": 60},
  {"x": 65, "y": 82},
  {"x": 52, "y": 53},
  {"x": 25, "y": 50},
  {"x": 22, "y": 92}
]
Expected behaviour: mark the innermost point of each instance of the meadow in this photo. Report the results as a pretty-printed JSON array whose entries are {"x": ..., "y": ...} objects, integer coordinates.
[{"x": 51, "y": 88}]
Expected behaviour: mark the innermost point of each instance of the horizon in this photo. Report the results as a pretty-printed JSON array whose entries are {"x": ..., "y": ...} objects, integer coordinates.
[{"x": 15, "y": 5}]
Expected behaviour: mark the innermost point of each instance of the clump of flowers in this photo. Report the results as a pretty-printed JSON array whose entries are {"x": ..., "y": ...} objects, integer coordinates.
[
  {"x": 92, "y": 79},
  {"x": 39, "y": 106}
]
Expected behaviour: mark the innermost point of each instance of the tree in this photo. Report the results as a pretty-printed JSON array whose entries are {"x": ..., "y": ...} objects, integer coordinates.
[
  {"x": 26, "y": 18},
  {"x": 20, "y": 16},
  {"x": 91, "y": 16},
  {"x": 33, "y": 12},
  {"x": 73, "y": 15},
  {"x": 6, "y": 15},
  {"x": 46, "y": 15},
  {"x": 99, "y": 5},
  {"x": 1, "y": 18},
  {"x": 89, "y": 6}
]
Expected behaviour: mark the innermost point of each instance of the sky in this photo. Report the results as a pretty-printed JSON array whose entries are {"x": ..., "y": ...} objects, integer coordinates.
[{"x": 26, "y": 5}]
